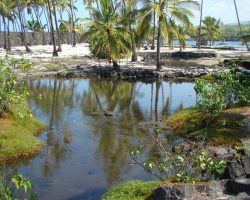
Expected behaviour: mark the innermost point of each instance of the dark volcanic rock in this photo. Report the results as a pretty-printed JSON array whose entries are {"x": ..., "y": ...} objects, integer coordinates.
[
  {"x": 237, "y": 168},
  {"x": 174, "y": 192}
]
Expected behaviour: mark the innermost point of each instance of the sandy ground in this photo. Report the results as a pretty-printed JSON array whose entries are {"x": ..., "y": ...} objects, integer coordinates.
[{"x": 81, "y": 55}]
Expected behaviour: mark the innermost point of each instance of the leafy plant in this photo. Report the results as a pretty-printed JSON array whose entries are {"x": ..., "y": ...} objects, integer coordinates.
[
  {"x": 11, "y": 89},
  {"x": 230, "y": 89},
  {"x": 16, "y": 185},
  {"x": 187, "y": 162}
]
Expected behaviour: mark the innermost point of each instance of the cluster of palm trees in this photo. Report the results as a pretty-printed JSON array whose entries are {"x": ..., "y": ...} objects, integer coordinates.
[
  {"x": 118, "y": 27},
  {"x": 13, "y": 16},
  {"x": 115, "y": 28}
]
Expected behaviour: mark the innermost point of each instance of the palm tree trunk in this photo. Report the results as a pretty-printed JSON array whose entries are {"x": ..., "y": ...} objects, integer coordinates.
[
  {"x": 73, "y": 23},
  {"x": 199, "y": 33},
  {"x": 21, "y": 33},
  {"x": 4, "y": 33},
  {"x": 52, "y": 31},
  {"x": 21, "y": 19},
  {"x": 8, "y": 37},
  {"x": 153, "y": 42},
  {"x": 236, "y": 10},
  {"x": 134, "y": 54},
  {"x": 158, "y": 57},
  {"x": 34, "y": 31},
  {"x": 57, "y": 29},
  {"x": 116, "y": 67}
]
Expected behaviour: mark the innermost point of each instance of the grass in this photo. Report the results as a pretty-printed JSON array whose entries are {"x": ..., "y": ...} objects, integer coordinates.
[
  {"x": 135, "y": 190},
  {"x": 18, "y": 131},
  {"x": 208, "y": 77},
  {"x": 225, "y": 130},
  {"x": 53, "y": 67}
]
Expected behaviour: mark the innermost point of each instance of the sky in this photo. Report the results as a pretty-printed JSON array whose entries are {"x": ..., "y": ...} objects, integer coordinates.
[
  {"x": 224, "y": 10},
  {"x": 221, "y": 9}
]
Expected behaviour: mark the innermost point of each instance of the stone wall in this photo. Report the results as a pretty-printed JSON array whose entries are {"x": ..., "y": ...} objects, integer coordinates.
[
  {"x": 36, "y": 38},
  {"x": 151, "y": 56}
]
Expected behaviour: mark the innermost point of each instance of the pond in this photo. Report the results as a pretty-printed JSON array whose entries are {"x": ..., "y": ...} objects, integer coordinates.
[{"x": 86, "y": 151}]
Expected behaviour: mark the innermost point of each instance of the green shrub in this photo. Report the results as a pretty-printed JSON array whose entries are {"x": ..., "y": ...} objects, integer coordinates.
[
  {"x": 10, "y": 88},
  {"x": 16, "y": 187},
  {"x": 135, "y": 190},
  {"x": 229, "y": 90}
]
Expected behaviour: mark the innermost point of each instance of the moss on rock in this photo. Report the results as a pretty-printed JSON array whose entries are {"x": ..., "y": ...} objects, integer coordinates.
[{"x": 224, "y": 130}]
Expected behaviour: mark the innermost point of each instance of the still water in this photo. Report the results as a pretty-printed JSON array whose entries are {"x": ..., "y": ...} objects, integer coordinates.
[{"x": 87, "y": 152}]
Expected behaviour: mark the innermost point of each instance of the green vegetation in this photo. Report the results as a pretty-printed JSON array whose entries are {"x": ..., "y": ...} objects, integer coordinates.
[
  {"x": 213, "y": 121},
  {"x": 106, "y": 35},
  {"x": 18, "y": 131},
  {"x": 210, "y": 30},
  {"x": 213, "y": 118},
  {"x": 17, "y": 184},
  {"x": 18, "y": 127},
  {"x": 229, "y": 90},
  {"x": 232, "y": 31},
  {"x": 135, "y": 190},
  {"x": 225, "y": 130},
  {"x": 53, "y": 67}
]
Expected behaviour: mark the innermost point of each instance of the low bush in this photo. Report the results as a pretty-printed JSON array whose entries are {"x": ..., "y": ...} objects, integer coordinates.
[{"x": 136, "y": 190}]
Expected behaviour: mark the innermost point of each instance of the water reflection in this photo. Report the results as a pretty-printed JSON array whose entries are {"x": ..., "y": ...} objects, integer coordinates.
[{"x": 91, "y": 126}]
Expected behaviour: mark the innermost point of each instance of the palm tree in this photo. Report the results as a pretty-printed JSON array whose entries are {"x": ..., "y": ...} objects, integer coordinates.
[
  {"x": 21, "y": 16},
  {"x": 55, "y": 53},
  {"x": 7, "y": 12},
  {"x": 167, "y": 10},
  {"x": 238, "y": 19},
  {"x": 199, "y": 33},
  {"x": 105, "y": 33},
  {"x": 129, "y": 8},
  {"x": 211, "y": 29},
  {"x": 154, "y": 24},
  {"x": 57, "y": 29},
  {"x": 73, "y": 21}
]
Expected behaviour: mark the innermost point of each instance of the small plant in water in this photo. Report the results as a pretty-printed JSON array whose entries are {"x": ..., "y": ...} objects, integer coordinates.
[{"x": 16, "y": 187}]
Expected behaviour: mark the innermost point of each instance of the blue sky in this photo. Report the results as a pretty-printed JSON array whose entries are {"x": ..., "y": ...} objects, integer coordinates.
[{"x": 223, "y": 9}]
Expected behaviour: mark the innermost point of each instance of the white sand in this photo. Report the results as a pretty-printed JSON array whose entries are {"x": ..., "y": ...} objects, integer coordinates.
[{"x": 42, "y": 53}]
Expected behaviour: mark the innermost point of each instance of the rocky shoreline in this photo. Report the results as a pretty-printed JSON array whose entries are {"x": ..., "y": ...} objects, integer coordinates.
[
  {"x": 234, "y": 185},
  {"x": 126, "y": 73}
]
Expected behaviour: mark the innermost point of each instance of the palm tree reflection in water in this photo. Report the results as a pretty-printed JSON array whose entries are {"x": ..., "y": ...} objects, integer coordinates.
[{"x": 70, "y": 105}]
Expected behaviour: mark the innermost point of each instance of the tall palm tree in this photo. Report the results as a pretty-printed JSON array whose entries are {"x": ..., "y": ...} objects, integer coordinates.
[
  {"x": 7, "y": 11},
  {"x": 167, "y": 10},
  {"x": 57, "y": 29},
  {"x": 199, "y": 33},
  {"x": 71, "y": 5},
  {"x": 154, "y": 27},
  {"x": 21, "y": 16},
  {"x": 105, "y": 34},
  {"x": 238, "y": 19},
  {"x": 55, "y": 53}
]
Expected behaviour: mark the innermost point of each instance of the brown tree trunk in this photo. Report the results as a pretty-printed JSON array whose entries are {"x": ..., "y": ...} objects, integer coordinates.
[
  {"x": 52, "y": 31},
  {"x": 57, "y": 29},
  {"x": 199, "y": 33},
  {"x": 238, "y": 19}
]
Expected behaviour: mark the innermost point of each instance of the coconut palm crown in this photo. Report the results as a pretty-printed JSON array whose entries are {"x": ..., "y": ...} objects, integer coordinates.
[{"x": 105, "y": 33}]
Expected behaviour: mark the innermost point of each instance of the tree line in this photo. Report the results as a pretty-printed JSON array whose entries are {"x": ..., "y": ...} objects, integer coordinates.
[{"x": 115, "y": 28}]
